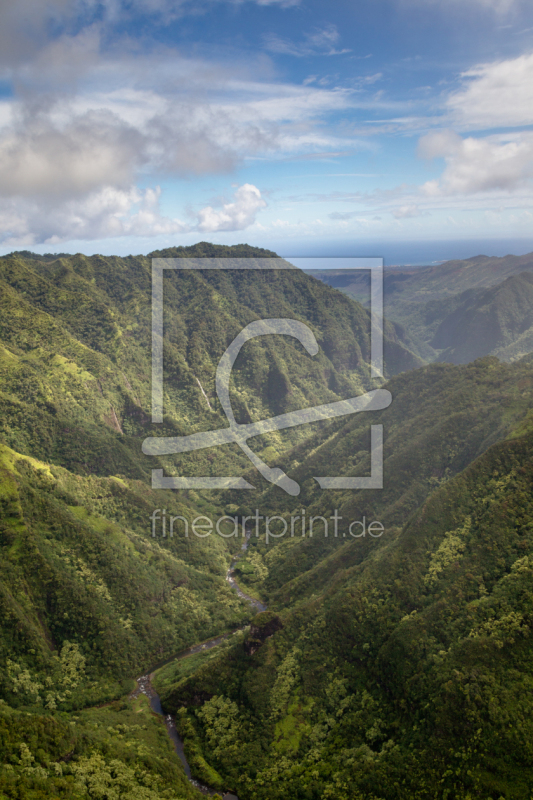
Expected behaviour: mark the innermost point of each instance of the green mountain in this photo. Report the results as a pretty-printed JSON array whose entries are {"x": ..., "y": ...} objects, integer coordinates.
[
  {"x": 399, "y": 666},
  {"x": 457, "y": 311},
  {"x": 88, "y": 597},
  {"x": 496, "y": 321},
  {"x": 388, "y": 667},
  {"x": 75, "y": 335}
]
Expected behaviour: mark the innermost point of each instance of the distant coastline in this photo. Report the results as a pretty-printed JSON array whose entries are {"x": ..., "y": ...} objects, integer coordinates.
[{"x": 407, "y": 254}]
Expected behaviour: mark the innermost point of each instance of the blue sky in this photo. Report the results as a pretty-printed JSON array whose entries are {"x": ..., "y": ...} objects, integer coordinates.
[{"x": 131, "y": 126}]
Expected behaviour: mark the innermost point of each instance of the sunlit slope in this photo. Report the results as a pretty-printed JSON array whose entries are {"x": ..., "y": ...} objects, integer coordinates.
[
  {"x": 75, "y": 357},
  {"x": 79, "y": 565}
]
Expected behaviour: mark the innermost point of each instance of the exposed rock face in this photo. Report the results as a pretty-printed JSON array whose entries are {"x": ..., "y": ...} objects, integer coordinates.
[{"x": 264, "y": 625}]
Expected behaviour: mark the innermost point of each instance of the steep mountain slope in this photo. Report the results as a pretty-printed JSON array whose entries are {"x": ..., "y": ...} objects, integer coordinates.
[
  {"x": 79, "y": 565},
  {"x": 441, "y": 418},
  {"x": 407, "y": 671},
  {"x": 87, "y": 597},
  {"x": 496, "y": 321},
  {"x": 456, "y": 311},
  {"x": 76, "y": 357}
]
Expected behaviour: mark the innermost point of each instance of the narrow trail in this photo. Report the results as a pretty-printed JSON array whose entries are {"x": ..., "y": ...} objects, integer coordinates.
[{"x": 144, "y": 683}]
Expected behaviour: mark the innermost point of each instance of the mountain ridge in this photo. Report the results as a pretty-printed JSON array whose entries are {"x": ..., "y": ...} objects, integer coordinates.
[{"x": 398, "y": 666}]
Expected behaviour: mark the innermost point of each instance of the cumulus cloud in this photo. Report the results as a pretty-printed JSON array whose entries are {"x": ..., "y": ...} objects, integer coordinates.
[
  {"x": 110, "y": 212},
  {"x": 80, "y": 147},
  {"x": 95, "y": 149},
  {"x": 234, "y": 216},
  {"x": 478, "y": 165},
  {"x": 495, "y": 95},
  {"x": 61, "y": 152},
  {"x": 205, "y": 123},
  {"x": 101, "y": 214},
  {"x": 81, "y": 153}
]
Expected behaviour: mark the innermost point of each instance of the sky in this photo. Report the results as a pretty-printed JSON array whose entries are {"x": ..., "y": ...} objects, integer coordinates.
[{"x": 297, "y": 125}]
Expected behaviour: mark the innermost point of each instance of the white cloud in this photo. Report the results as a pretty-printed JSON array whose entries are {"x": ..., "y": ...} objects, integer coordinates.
[
  {"x": 320, "y": 42},
  {"x": 492, "y": 95},
  {"x": 93, "y": 150},
  {"x": 79, "y": 151},
  {"x": 498, "y": 6},
  {"x": 88, "y": 125},
  {"x": 201, "y": 119},
  {"x": 234, "y": 216},
  {"x": 108, "y": 212},
  {"x": 407, "y": 212},
  {"x": 478, "y": 165},
  {"x": 111, "y": 212},
  {"x": 439, "y": 143},
  {"x": 495, "y": 95}
]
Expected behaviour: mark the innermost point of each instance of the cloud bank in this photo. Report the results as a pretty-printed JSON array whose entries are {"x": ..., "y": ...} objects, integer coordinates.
[{"x": 111, "y": 212}]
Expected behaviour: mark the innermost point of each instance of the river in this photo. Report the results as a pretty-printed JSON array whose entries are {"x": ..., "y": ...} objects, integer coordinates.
[{"x": 144, "y": 683}]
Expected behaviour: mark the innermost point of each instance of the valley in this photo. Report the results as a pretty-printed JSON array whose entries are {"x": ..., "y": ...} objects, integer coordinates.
[
  {"x": 457, "y": 311},
  {"x": 308, "y": 666}
]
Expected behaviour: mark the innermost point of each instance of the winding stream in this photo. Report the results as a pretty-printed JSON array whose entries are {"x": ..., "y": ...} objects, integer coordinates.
[{"x": 144, "y": 683}]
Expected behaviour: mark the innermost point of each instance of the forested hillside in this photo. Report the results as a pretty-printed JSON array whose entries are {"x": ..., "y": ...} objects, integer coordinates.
[
  {"x": 88, "y": 597},
  {"x": 398, "y": 666},
  {"x": 385, "y": 668},
  {"x": 498, "y": 321},
  {"x": 75, "y": 339}
]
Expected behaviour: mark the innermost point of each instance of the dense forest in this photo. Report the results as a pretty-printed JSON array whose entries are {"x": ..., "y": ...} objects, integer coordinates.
[{"x": 386, "y": 667}]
